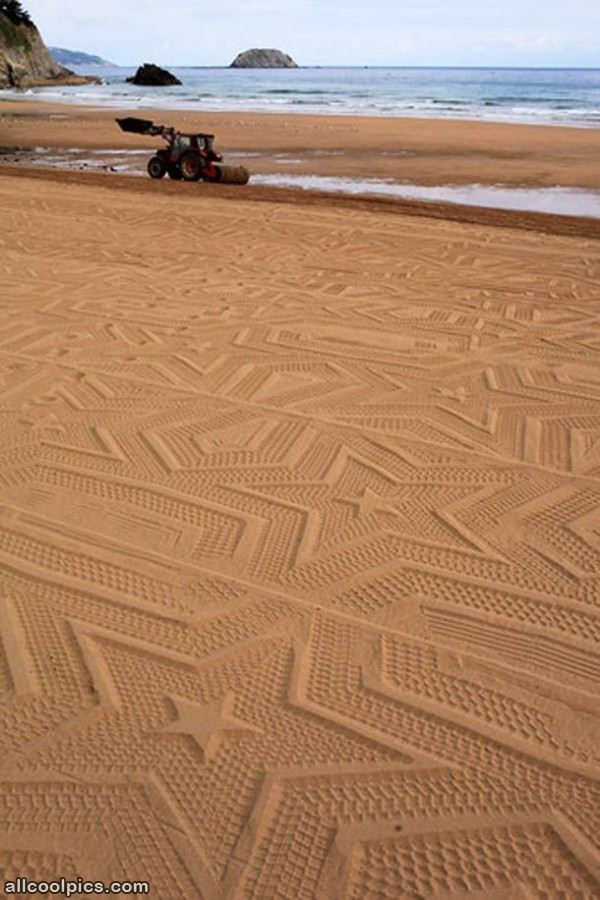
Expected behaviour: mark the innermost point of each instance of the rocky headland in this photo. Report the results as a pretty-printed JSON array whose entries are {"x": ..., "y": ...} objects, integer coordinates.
[
  {"x": 25, "y": 61},
  {"x": 77, "y": 58}
]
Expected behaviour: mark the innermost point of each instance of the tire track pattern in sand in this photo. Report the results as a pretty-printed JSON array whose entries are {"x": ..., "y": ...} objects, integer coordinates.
[{"x": 300, "y": 550}]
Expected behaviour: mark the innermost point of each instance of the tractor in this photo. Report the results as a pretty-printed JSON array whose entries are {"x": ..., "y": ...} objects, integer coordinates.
[{"x": 190, "y": 157}]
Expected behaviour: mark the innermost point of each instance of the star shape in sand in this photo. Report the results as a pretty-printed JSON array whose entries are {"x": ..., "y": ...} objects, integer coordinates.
[
  {"x": 369, "y": 502},
  {"x": 206, "y": 723}
]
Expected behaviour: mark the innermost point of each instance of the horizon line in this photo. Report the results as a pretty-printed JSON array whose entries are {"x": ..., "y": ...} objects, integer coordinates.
[{"x": 173, "y": 65}]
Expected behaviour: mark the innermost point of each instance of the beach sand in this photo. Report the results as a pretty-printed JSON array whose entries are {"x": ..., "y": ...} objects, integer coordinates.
[
  {"x": 423, "y": 151},
  {"x": 300, "y": 542}
]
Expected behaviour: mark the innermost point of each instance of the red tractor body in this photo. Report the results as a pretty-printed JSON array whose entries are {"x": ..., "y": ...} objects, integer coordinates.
[{"x": 190, "y": 157}]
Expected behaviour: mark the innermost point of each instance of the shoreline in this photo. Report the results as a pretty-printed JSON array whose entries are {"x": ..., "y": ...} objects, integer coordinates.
[
  {"x": 82, "y": 104},
  {"x": 569, "y": 97},
  {"x": 541, "y": 223},
  {"x": 420, "y": 151}
]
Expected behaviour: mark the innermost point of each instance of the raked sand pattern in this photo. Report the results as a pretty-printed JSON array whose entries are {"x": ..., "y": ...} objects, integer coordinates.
[{"x": 300, "y": 548}]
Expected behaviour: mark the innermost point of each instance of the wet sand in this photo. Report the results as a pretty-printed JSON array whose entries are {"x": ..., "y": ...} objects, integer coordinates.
[
  {"x": 417, "y": 150},
  {"x": 298, "y": 538}
]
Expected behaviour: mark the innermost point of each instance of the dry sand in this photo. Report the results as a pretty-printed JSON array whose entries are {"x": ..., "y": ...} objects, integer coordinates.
[{"x": 300, "y": 546}]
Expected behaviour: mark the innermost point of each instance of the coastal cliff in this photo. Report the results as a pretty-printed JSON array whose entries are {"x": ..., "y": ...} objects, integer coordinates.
[
  {"x": 25, "y": 61},
  {"x": 260, "y": 58}
]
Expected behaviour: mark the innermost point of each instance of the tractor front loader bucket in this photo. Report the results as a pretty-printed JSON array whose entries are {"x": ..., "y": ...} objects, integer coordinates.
[{"x": 136, "y": 126}]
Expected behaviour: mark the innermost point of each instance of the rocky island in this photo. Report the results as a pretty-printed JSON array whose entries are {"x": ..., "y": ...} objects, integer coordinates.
[
  {"x": 150, "y": 75},
  {"x": 25, "y": 61},
  {"x": 258, "y": 58}
]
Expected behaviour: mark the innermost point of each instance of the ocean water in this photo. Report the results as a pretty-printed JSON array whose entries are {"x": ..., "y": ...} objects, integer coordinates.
[{"x": 548, "y": 96}]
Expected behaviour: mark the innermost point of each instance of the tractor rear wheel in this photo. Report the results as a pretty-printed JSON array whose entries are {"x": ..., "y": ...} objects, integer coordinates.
[
  {"x": 156, "y": 167},
  {"x": 190, "y": 166}
]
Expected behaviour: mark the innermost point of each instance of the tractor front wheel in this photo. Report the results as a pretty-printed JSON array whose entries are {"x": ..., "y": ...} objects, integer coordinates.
[
  {"x": 156, "y": 167},
  {"x": 190, "y": 166}
]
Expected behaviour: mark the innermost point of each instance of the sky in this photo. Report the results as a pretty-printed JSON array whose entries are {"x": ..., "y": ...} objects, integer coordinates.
[{"x": 319, "y": 32}]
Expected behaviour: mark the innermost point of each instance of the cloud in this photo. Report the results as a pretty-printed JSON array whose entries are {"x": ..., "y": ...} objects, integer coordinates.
[
  {"x": 534, "y": 42},
  {"x": 322, "y": 32}
]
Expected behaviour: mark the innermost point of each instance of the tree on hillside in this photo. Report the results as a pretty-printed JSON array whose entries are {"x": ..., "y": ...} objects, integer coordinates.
[{"x": 13, "y": 10}]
